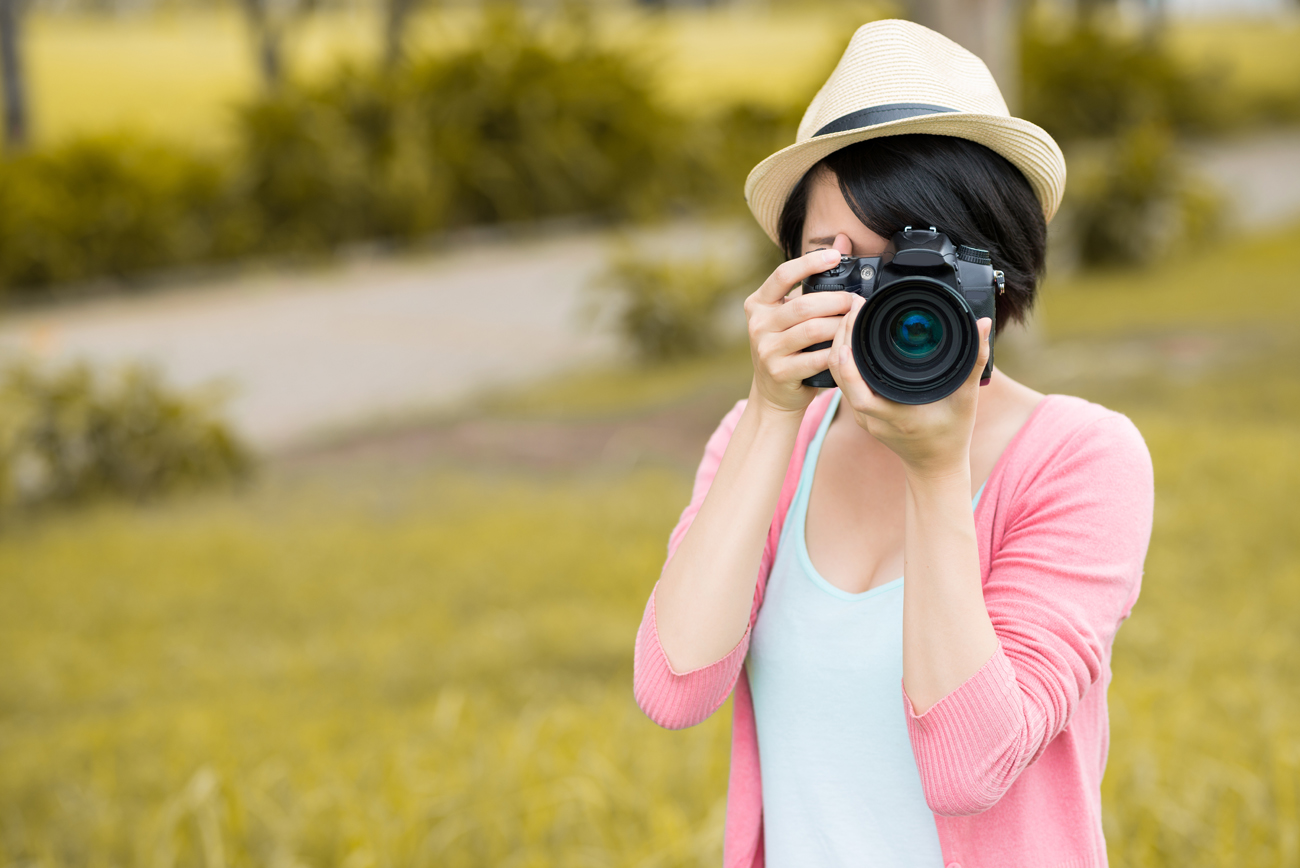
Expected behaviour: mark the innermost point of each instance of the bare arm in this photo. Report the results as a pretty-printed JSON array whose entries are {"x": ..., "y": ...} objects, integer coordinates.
[
  {"x": 947, "y": 633},
  {"x": 706, "y": 592},
  {"x": 704, "y": 596}
]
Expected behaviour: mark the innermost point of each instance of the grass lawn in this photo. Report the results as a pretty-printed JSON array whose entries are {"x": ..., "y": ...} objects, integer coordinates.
[
  {"x": 407, "y": 654},
  {"x": 363, "y": 668}
]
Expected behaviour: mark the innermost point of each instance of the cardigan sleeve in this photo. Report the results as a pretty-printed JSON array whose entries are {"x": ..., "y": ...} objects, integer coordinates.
[
  {"x": 672, "y": 699},
  {"x": 1065, "y": 574}
]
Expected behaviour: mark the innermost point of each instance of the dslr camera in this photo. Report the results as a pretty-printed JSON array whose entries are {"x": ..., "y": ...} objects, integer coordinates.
[{"x": 915, "y": 340}]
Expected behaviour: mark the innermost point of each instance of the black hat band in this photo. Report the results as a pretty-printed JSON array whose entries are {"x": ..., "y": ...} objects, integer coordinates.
[{"x": 880, "y": 114}]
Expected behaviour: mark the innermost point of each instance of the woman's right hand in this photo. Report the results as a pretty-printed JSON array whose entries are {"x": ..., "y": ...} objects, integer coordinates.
[
  {"x": 780, "y": 328},
  {"x": 706, "y": 591}
]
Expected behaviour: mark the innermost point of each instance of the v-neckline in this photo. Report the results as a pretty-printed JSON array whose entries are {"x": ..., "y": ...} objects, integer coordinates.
[{"x": 808, "y": 475}]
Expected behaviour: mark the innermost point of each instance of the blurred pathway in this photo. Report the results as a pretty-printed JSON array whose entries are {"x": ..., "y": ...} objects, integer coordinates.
[
  {"x": 322, "y": 350},
  {"x": 1259, "y": 176}
]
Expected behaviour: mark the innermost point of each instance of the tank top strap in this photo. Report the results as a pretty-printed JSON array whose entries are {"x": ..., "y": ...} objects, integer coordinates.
[{"x": 799, "y": 506}]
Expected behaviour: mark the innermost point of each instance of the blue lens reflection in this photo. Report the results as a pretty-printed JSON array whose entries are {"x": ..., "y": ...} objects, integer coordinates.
[{"x": 916, "y": 333}]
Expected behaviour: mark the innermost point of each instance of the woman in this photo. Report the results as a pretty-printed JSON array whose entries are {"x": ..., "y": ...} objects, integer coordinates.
[{"x": 1019, "y": 520}]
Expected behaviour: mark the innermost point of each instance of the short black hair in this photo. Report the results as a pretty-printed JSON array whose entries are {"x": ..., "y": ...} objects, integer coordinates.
[{"x": 962, "y": 188}]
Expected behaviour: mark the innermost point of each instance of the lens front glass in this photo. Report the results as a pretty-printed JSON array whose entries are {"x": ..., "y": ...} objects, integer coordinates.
[
  {"x": 917, "y": 333},
  {"x": 915, "y": 340}
]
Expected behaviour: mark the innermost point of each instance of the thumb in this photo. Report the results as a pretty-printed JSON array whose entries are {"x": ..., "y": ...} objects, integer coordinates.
[{"x": 985, "y": 326}]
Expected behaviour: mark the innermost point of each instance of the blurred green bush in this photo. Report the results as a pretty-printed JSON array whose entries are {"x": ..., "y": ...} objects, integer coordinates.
[
  {"x": 1116, "y": 102},
  {"x": 110, "y": 206},
  {"x": 307, "y": 183},
  {"x": 669, "y": 307},
  {"x": 1088, "y": 76},
  {"x": 534, "y": 117},
  {"x": 525, "y": 129},
  {"x": 666, "y": 309},
  {"x": 1087, "y": 81},
  {"x": 522, "y": 123},
  {"x": 721, "y": 148},
  {"x": 69, "y": 436},
  {"x": 516, "y": 126},
  {"x": 1131, "y": 199}
]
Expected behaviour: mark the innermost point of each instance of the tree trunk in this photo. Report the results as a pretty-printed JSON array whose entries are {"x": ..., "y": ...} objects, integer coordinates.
[
  {"x": 267, "y": 36},
  {"x": 396, "y": 13},
  {"x": 987, "y": 28},
  {"x": 269, "y": 58},
  {"x": 11, "y": 70}
]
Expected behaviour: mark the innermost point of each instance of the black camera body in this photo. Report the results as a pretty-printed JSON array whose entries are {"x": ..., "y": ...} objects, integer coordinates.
[{"x": 915, "y": 340}]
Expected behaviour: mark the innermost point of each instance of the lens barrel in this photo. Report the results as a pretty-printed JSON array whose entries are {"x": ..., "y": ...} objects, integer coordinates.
[{"x": 915, "y": 341}]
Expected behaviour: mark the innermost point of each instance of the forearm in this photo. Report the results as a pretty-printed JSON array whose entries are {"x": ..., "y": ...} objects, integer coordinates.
[
  {"x": 947, "y": 634},
  {"x": 706, "y": 592}
]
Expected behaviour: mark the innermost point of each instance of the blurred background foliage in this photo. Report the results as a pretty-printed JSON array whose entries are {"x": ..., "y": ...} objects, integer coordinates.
[
  {"x": 1087, "y": 81},
  {"x": 1117, "y": 101},
  {"x": 422, "y": 655},
  {"x": 72, "y": 436},
  {"x": 666, "y": 309},
  {"x": 528, "y": 120},
  {"x": 525, "y": 116}
]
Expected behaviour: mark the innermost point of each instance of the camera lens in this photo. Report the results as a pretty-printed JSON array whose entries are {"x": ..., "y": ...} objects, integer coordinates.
[
  {"x": 917, "y": 333},
  {"x": 907, "y": 340},
  {"x": 915, "y": 340}
]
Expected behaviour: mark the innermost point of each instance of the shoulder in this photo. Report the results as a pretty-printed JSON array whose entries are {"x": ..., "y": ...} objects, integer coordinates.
[
  {"x": 1064, "y": 427},
  {"x": 1077, "y": 458}
]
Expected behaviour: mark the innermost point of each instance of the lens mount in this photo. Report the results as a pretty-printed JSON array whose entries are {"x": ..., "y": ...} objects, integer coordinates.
[{"x": 915, "y": 341}]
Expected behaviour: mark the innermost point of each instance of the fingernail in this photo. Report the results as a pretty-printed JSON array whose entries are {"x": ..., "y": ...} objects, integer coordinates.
[{"x": 831, "y": 255}]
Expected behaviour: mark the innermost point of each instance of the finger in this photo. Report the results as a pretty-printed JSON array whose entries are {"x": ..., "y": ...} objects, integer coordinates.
[
  {"x": 806, "y": 307},
  {"x": 805, "y": 334},
  {"x": 985, "y": 326},
  {"x": 801, "y": 366},
  {"x": 790, "y": 274},
  {"x": 843, "y": 244},
  {"x": 842, "y": 365},
  {"x": 845, "y": 330}
]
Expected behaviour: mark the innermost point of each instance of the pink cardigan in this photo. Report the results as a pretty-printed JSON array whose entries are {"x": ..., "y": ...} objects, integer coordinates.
[{"x": 1011, "y": 761}]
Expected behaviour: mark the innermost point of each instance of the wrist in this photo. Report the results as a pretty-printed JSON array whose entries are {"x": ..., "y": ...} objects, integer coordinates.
[
  {"x": 939, "y": 477},
  {"x": 770, "y": 413}
]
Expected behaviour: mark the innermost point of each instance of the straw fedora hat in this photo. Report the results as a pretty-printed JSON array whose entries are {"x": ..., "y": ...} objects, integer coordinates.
[{"x": 898, "y": 77}]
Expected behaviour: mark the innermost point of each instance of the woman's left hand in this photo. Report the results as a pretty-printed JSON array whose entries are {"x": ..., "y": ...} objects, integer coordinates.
[{"x": 933, "y": 440}]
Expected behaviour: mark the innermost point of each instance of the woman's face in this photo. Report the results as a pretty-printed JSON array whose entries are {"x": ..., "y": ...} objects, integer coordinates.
[{"x": 830, "y": 222}]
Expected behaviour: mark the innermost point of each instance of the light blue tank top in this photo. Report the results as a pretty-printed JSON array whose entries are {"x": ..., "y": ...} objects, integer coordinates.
[{"x": 840, "y": 785}]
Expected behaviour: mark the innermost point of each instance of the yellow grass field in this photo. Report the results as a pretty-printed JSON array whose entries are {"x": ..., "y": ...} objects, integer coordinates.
[
  {"x": 402, "y": 656},
  {"x": 177, "y": 74}
]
